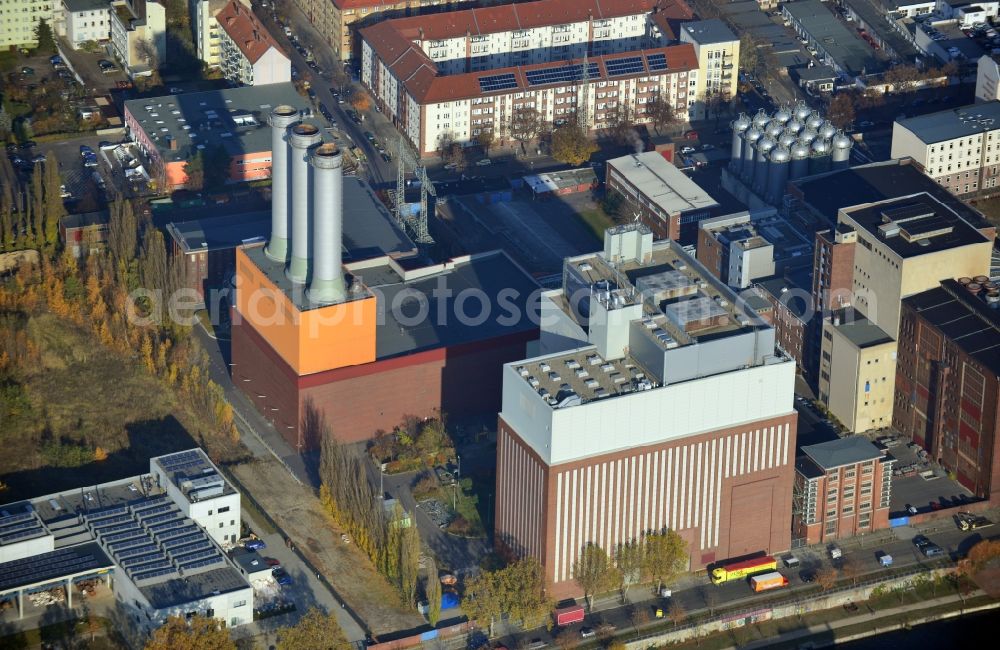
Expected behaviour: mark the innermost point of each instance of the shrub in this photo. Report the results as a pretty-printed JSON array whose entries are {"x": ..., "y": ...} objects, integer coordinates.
[
  {"x": 459, "y": 526},
  {"x": 424, "y": 485}
]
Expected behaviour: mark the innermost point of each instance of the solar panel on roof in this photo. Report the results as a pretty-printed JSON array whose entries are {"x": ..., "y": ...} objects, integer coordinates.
[
  {"x": 146, "y": 575},
  {"x": 148, "y": 503},
  {"x": 150, "y": 566},
  {"x": 174, "y": 532},
  {"x": 113, "y": 531},
  {"x": 102, "y": 514},
  {"x": 561, "y": 74},
  {"x": 181, "y": 541},
  {"x": 493, "y": 83},
  {"x": 137, "y": 550},
  {"x": 136, "y": 560},
  {"x": 200, "y": 563},
  {"x": 626, "y": 65},
  {"x": 167, "y": 525},
  {"x": 34, "y": 532},
  {"x": 149, "y": 512},
  {"x": 48, "y": 566},
  {"x": 13, "y": 519},
  {"x": 128, "y": 534},
  {"x": 13, "y": 528},
  {"x": 191, "y": 547},
  {"x": 178, "y": 459},
  {"x": 656, "y": 62},
  {"x": 187, "y": 558}
]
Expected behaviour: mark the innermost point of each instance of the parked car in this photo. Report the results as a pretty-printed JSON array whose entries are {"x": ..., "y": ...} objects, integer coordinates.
[
  {"x": 910, "y": 509},
  {"x": 932, "y": 550},
  {"x": 485, "y": 162},
  {"x": 587, "y": 633},
  {"x": 254, "y": 544},
  {"x": 27, "y": 72},
  {"x": 686, "y": 150},
  {"x": 85, "y": 151},
  {"x": 39, "y": 158},
  {"x": 691, "y": 135},
  {"x": 281, "y": 577},
  {"x": 921, "y": 541},
  {"x": 272, "y": 562},
  {"x": 369, "y": 136}
]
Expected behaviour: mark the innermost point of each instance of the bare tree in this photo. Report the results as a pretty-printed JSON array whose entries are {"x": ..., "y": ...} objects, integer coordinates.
[
  {"x": 661, "y": 113},
  {"x": 525, "y": 125}
]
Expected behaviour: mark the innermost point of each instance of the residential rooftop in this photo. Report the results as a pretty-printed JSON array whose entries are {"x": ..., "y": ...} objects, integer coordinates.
[
  {"x": 662, "y": 183},
  {"x": 249, "y": 35},
  {"x": 954, "y": 123},
  {"x": 234, "y": 118},
  {"x": 368, "y": 229},
  {"x": 856, "y": 328},
  {"x": 844, "y": 46},
  {"x": 708, "y": 32},
  {"x": 964, "y": 318},
  {"x": 850, "y": 450},
  {"x": 914, "y": 225}
]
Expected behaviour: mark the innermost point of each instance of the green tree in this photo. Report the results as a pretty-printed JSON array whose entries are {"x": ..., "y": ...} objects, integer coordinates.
[
  {"x": 593, "y": 572},
  {"x": 485, "y": 139},
  {"x": 54, "y": 208},
  {"x": 194, "y": 171},
  {"x": 195, "y": 633},
  {"x": 153, "y": 260},
  {"x": 409, "y": 562},
  {"x": 666, "y": 556},
  {"x": 43, "y": 34},
  {"x": 216, "y": 169},
  {"x": 482, "y": 600},
  {"x": 432, "y": 589},
  {"x": 517, "y": 590},
  {"x": 629, "y": 562},
  {"x": 122, "y": 232},
  {"x": 314, "y": 630},
  {"x": 571, "y": 145},
  {"x": 751, "y": 57}
]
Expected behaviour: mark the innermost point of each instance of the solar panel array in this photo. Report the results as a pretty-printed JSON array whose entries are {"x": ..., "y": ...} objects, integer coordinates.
[
  {"x": 22, "y": 525},
  {"x": 493, "y": 83},
  {"x": 167, "y": 525},
  {"x": 149, "y": 512},
  {"x": 181, "y": 541},
  {"x": 202, "y": 563},
  {"x": 562, "y": 74},
  {"x": 158, "y": 519},
  {"x": 13, "y": 519},
  {"x": 101, "y": 514},
  {"x": 656, "y": 62},
  {"x": 135, "y": 533},
  {"x": 626, "y": 65},
  {"x": 195, "y": 555},
  {"x": 136, "y": 560},
  {"x": 24, "y": 534},
  {"x": 173, "y": 462},
  {"x": 148, "y": 503},
  {"x": 136, "y": 550},
  {"x": 145, "y": 575},
  {"x": 162, "y": 563},
  {"x": 188, "y": 548},
  {"x": 47, "y": 566}
]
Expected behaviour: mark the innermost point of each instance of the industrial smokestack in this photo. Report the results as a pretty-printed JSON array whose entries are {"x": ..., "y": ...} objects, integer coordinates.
[
  {"x": 280, "y": 119},
  {"x": 302, "y": 137},
  {"x": 327, "y": 284}
]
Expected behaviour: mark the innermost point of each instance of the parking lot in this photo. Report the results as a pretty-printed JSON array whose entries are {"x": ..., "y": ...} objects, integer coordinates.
[{"x": 929, "y": 484}]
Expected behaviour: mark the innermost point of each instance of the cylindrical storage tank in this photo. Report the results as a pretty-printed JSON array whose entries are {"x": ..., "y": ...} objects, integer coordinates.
[
  {"x": 965, "y": 281},
  {"x": 327, "y": 283},
  {"x": 827, "y": 130},
  {"x": 989, "y": 285},
  {"x": 764, "y": 148},
  {"x": 740, "y": 125},
  {"x": 981, "y": 279},
  {"x": 793, "y": 126},
  {"x": 761, "y": 119},
  {"x": 302, "y": 137},
  {"x": 841, "y": 155},
  {"x": 806, "y": 137},
  {"x": 774, "y": 129},
  {"x": 801, "y": 112},
  {"x": 777, "y": 176},
  {"x": 280, "y": 119},
  {"x": 814, "y": 122},
  {"x": 974, "y": 288},
  {"x": 750, "y": 139},
  {"x": 820, "y": 160},
  {"x": 787, "y": 139},
  {"x": 993, "y": 298},
  {"x": 782, "y": 115},
  {"x": 800, "y": 161}
]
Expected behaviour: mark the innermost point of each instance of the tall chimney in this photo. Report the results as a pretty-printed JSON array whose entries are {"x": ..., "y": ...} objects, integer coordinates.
[
  {"x": 327, "y": 283},
  {"x": 302, "y": 137},
  {"x": 280, "y": 119}
]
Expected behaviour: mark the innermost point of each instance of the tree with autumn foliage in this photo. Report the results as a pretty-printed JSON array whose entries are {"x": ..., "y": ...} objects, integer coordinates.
[
  {"x": 360, "y": 101},
  {"x": 314, "y": 630},
  {"x": 195, "y": 633}
]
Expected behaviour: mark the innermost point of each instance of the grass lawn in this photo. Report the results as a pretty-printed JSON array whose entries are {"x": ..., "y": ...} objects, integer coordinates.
[{"x": 597, "y": 221}]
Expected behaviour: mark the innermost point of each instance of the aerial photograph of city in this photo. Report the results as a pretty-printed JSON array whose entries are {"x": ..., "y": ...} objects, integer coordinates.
[{"x": 499, "y": 324}]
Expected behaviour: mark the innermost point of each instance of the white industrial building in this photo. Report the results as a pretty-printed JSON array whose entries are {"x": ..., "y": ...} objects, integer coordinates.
[{"x": 157, "y": 539}]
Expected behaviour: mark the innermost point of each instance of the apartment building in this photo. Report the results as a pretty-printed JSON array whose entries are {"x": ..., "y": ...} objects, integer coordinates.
[
  {"x": 842, "y": 489},
  {"x": 139, "y": 35},
  {"x": 958, "y": 148},
  {"x": 450, "y": 76},
  {"x": 718, "y": 52},
  {"x": 657, "y": 402},
  {"x": 19, "y": 19},
  {"x": 249, "y": 55},
  {"x": 339, "y": 20},
  {"x": 948, "y": 380},
  {"x": 85, "y": 21},
  {"x": 206, "y": 32},
  {"x": 664, "y": 198}
]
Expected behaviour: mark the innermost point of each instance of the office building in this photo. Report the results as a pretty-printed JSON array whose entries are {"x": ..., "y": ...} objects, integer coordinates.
[
  {"x": 658, "y": 401},
  {"x": 139, "y": 35},
  {"x": 158, "y": 540},
  {"x": 948, "y": 380},
  {"x": 447, "y": 77},
  {"x": 958, "y": 148},
  {"x": 717, "y": 49},
  {"x": 19, "y": 20},
  {"x": 249, "y": 55},
  {"x": 311, "y": 332},
  {"x": 171, "y": 129},
  {"x": 842, "y": 489},
  {"x": 85, "y": 21},
  {"x": 664, "y": 198},
  {"x": 829, "y": 39}
]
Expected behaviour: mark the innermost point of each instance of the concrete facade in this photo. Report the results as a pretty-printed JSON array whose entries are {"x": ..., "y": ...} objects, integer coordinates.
[
  {"x": 139, "y": 29},
  {"x": 86, "y": 20},
  {"x": 718, "y": 52},
  {"x": 19, "y": 18}
]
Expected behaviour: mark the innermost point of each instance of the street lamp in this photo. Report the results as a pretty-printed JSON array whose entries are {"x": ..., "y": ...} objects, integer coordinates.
[{"x": 458, "y": 472}]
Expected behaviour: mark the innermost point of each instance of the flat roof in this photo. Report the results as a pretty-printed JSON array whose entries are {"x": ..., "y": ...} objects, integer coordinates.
[
  {"x": 806, "y": 467},
  {"x": 555, "y": 181},
  {"x": 705, "y": 32},
  {"x": 844, "y": 46},
  {"x": 790, "y": 245},
  {"x": 233, "y": 118},
  {"x": 662, "y": 183},
  {"x": 843, "y": 451},
  {"x": 87, "y": 5},
  {"x": 83, "y": 559},
  {"x": 816, "y": 73},
  {"x": 828, "y": 193},
  {"x": 915, "y": 225},
  {"x": 798, "y": 280},
  {"x": 963, "y": 318},
  {"x": 875, "y": 18},
  {"x": 194, "y": 475},
  {"x": 954, "y": 123},
  {"x": 249, "y": 561},
  {"x": 856, "y": 328},
  {"x": 84, "y": 219},
  {"x": 193, "y": 587},
  {"x": 368, "y": 231}
]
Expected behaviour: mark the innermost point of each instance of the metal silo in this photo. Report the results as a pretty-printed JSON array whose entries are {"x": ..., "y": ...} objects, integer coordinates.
[
  {"x": 778, "y": 174},
  {"x": 827, "y": 131},
  {"x": 814, "y": 122},
  {"x": 740, "y": 125},
  {"x": 820, "y": 160},
  {"x": 806, "y": 137},
  {"x": 761, "y": 119},
  {"x": 774, "y": 129},
  {"x": 841, "y": 156},
  {"x": 793, "y": 126},
  {"x": 760, "y": 174},
  {"x": 782, "y": 115},
  {"x": 801, "y": 112},
  {"x": 787, "y": 139},
  {"x": 750, "y": 139},
  {"x": 800, "y": 160}
]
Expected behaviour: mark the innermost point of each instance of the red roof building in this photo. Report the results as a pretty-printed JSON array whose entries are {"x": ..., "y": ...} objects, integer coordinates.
[{"x": 249, "y": 53}]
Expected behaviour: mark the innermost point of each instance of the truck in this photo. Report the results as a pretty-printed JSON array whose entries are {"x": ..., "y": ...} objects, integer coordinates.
[
  {"x": 568, "y": 615},
  {"x": 835, "y": 552},
  {"x": 742, "y": 568},
  {"x": 969, "y": 521},
  {"x": 768, "y": 581},
  {"x": 884, "y": 559}
]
